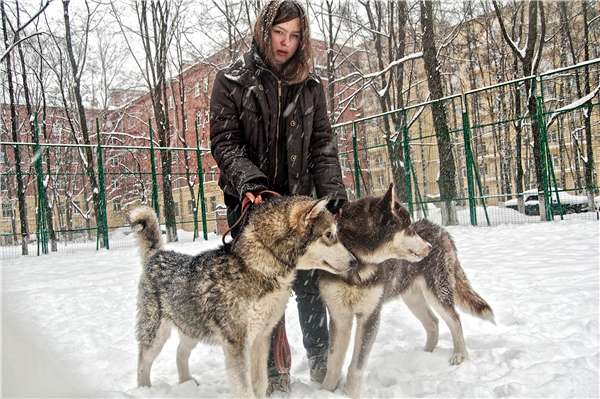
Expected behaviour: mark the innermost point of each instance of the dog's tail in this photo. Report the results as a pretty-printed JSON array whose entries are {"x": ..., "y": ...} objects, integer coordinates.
[
  {"x": 469, "y": 300},
  {"x": 144, "y": 222}
]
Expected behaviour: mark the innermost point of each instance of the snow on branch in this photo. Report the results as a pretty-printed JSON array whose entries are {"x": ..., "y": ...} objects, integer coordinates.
[
  {"x": 412, "y": 120},
  {"x": 376, "y": 74},
  {"x": 575, "y": 104}
]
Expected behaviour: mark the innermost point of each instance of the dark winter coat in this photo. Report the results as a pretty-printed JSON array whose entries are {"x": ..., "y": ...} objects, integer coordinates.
[{"x": 267, "y": 134}]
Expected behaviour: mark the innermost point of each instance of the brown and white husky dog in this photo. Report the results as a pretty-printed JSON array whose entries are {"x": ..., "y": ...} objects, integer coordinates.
[{"x": 421, "y": 267}]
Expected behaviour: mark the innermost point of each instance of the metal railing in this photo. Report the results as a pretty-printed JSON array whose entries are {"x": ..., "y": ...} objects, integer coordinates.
[{"x": 482, "y": 126}]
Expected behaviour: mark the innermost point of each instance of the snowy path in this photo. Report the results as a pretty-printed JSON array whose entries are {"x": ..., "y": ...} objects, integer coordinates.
[{"x": 68, "y": 326}]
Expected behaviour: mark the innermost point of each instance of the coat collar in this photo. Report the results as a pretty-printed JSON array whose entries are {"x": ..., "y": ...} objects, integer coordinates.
[{"x": 246, "y": 69}]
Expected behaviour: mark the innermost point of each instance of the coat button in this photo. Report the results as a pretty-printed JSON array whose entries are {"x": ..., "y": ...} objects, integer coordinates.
[
  {"x": 292, "y": 123},
  {"x": 260, "y": 87}
]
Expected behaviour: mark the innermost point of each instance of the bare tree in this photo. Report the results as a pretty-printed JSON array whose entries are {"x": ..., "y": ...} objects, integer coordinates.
[
  {"x": 156, "y": 25},
  {"x": 590, "y": 178},
  {"x": 446, "y": 182},
  {"x": 15, "y": 136},
  {"x": 530, "y": 57},
  {"x": 387, "y": 22},
  {"x": 30, "y": 117},
  {"x": 178, "y": 92}
]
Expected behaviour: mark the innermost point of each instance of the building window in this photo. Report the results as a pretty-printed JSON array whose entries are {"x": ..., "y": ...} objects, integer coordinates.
[
  {"x": 7, "y": 210},
  {"x": 114, "y": 160},
  {"x": 210, "y": 175},
  {"x": 116, "y": 205},
  {"x": 481, "y": 148},
  {"x": 176, "y": 209},
  {"x": 205, "y": 84},
  {"x": 381, "y": 181},
  {"x": 197, "y": 89},
  {"x": 57, "y": 128},
  {"x": 553, "y": 137},
  {"x": 212, "y": 204},
  {"x": 3, "y": 183},
  {"x": 344, "y": 163},
  {"x": 115, "y": 184},
  {"x": 2, "y": 156}
]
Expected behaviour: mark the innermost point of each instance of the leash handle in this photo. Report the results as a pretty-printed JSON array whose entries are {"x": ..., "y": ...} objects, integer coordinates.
[{"x": 251, "y": 199}]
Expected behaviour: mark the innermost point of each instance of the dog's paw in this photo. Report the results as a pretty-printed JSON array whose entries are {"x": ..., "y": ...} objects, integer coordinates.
[
  {"x": 457, "y": 358},
  {"x": 351, "y": 390},
  {"x": 329, "y": 384},
  {"x": 187, "y": 379},
  {"x": 429, "y": 347}
]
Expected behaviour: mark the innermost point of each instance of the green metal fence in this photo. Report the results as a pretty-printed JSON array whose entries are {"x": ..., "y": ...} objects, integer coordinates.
[
  {"x": 399, "y": 146},
  {"x": 483, "y": 126},
  {"x": 126, "y": 175}
]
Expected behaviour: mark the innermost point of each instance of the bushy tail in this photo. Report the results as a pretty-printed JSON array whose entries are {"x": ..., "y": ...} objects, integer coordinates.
[
  {"x": 469, "y": 300},
  {"x": 144, "y": 222}
]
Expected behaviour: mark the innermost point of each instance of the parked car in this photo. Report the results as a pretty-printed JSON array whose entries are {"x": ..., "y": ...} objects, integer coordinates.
[{"x": 568, "y": 202}]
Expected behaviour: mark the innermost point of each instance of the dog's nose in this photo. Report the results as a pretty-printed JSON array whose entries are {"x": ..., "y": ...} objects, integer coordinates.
[{"x": 426, "y": 250}]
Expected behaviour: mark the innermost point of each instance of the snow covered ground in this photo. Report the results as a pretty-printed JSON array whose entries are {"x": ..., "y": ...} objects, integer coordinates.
[{"x": 68, "y": 326}]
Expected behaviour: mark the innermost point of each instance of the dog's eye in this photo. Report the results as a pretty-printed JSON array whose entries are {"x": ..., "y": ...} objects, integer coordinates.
[{"x": 329, "y": 235}]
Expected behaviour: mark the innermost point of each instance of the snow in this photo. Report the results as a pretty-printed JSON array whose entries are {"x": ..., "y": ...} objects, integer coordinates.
[
  {"x": 574, "y": 105},
  {"x": 565, "y": 198},
  {"x": 68, "y": 325}
]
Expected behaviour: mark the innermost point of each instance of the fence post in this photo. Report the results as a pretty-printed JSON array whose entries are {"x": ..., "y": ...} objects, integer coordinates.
[
  {"x": 543, "y": 141},
  {"x": 407, "y": 164},
  {"x": 101, "y": 218},
  {"x": 155, "y": 203},
  {"x": 549, "y": 175},
  {"x": 469, "y": 162},
  {"x": 356, "y": 161},
  {"x": 41, "y": 221},
  {"x": 201, "y": 199}
]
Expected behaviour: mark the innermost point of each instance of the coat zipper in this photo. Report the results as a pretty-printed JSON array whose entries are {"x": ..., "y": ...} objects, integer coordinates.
[{"x": 277, "y": 130}]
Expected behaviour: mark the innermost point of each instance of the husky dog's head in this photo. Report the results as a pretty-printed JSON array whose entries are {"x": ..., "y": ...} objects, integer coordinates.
[
  {"x": 302, "y": 232},
  {"x": 324, "y": 250},
  {"x": 376, "y": 229}
]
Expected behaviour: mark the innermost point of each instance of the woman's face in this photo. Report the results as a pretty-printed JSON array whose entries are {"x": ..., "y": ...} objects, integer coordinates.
[{"x": 285, "y": 39}]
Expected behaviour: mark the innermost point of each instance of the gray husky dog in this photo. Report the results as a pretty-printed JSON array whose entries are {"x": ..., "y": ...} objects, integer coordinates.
[
  {"x": 425, "y": 276},
  {"x": 234, "y": 295}
]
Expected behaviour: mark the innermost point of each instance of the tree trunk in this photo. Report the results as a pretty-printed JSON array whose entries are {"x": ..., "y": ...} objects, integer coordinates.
[
  {"x": 590, "y": 179},
  {"x": 89, "y": 154},
  {"x": 49, "y": 215},
  {"x": 446, "y": 181},
  {"x": 376, "y": 23},
  {"x": 15, "y": 137},
  {"x": 26, "y": 94}
]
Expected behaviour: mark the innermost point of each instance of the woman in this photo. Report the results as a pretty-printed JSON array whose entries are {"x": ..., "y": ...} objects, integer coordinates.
[{"x": 270, "y": 131}]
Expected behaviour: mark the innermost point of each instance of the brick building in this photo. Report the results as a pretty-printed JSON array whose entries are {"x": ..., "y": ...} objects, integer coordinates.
[{"x": 128, "y": 179}]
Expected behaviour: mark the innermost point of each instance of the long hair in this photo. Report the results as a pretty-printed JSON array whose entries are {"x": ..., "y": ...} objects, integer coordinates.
[{"x": 277, "y": 12}]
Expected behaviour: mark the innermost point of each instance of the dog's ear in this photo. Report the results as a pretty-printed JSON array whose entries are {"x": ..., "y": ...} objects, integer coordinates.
[
  {"x": 315, "y": 211},
  {"x": 388, "y": 200}
]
